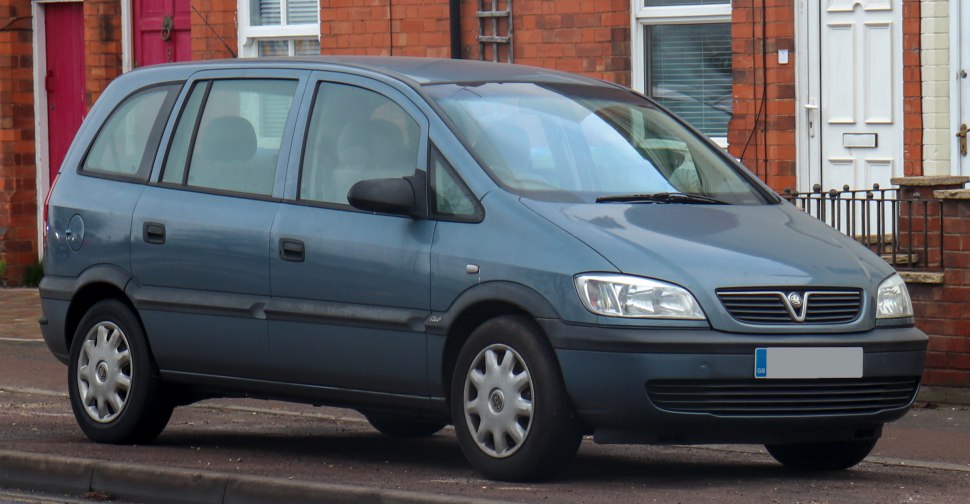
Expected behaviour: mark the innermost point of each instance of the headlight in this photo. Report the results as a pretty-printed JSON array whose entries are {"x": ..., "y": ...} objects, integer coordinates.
[
  {"x": 634, "y": 297},
  {"x": 892, "y": 299}
]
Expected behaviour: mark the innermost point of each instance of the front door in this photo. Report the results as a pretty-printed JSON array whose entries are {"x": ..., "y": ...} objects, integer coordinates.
[
  {"x": 854, "y": 98},
  {"x": 351, "y": 289},
  {"x": 64, "y": 82},
  {"x": 962, "y": 39},
  {"x": 162, "y": 31}
]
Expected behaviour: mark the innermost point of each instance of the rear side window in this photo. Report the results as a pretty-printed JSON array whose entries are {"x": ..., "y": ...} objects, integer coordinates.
[
  {"x": 126, "y": 145},
  {"x": 355, "y": 134},
  {"x": 228, "y": 136}
]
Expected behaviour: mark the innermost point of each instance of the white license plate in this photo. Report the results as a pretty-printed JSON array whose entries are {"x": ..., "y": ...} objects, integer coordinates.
[{"x": 813, "y": 362}]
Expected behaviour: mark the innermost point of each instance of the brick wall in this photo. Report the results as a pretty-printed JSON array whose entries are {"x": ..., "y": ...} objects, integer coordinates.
[
  {"x": 762, "y": 128},
  {"x": 214, "y": 33},
  {"x": 18, "y": 193},
  {"x": 419, "y": 28},
  {"x": 587, "y": 37},
  {"x": 358, "y": 27},
  {"x": 102, "y": 45}
]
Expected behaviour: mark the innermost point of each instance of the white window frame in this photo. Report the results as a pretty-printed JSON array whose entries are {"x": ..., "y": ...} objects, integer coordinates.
[
  {"x": 642, "y": 17},
  {"x": 249, "y": 35}
]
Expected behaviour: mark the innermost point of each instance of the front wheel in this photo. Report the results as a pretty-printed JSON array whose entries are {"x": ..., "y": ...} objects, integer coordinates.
[
  {"x": 114, "y": 387},
  {"x": 830, "y": 456},
  {"x": 512, "y": 416}
]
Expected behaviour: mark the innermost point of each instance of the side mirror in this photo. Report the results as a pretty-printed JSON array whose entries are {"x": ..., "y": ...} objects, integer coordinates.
[{"x": 387, "y": 195}]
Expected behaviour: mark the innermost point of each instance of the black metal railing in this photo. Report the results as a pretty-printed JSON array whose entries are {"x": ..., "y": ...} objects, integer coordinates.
[{"x": 906, "y": 232}]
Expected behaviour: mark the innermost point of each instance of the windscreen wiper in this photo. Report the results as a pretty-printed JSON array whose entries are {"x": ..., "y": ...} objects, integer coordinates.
[{"x": 661, "y": 197}]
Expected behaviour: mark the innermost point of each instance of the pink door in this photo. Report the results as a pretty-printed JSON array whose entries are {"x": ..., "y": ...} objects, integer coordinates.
[
  {"x": 162, "y": 31},
  {"x": 64, "y": 83}
]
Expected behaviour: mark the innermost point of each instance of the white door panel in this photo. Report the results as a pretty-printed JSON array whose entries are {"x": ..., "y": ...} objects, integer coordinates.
[
  {"x": 879, "y": 91},
  {"x": 840, "y": 172},
  {"x": 839, "y": 99}
]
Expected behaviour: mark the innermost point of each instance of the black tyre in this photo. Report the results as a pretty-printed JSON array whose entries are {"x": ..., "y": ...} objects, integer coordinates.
[
  {"x": 512, "y": 416},
  {"x": 403, "y": 426},
  {"x": 830, "y": 456},
  {"x": 114, "y": 387}
]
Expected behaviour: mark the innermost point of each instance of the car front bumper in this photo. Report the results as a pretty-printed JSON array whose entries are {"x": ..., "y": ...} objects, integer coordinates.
[{"x": 697, "y": 386}]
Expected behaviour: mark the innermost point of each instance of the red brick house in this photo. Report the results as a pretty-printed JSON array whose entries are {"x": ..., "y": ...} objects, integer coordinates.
[{"x": 805, "y": 92}]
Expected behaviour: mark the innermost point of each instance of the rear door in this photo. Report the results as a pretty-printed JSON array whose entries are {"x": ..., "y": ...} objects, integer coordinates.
[
  {"x": 351, "y": 289},
  {"x": 200, "y": 232}
]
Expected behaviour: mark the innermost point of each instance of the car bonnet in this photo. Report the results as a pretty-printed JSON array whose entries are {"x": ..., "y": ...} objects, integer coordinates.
[{"x": 710, "y": 247}]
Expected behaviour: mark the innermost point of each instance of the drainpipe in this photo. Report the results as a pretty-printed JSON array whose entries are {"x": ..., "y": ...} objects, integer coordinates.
[{"x": 454, "y": 25}]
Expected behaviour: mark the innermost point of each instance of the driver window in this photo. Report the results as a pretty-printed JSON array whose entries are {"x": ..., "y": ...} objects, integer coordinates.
[{"x": 355, "y": 134}]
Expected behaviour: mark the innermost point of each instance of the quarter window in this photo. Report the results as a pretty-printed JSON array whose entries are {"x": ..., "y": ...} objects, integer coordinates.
[
  {"x": 451, "y": 198},
  {"x": 128, "y": 142},
  {"x": 682, "y": 58},
  {"x": 229, "y": 135},
  {"x": 355, "y": 134}
]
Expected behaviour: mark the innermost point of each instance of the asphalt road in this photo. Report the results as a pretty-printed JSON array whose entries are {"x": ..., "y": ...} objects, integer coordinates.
[{"x": 923, "y": 458}]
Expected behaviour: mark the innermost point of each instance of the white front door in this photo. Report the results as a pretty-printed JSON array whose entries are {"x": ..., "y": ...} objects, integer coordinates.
[
  {"x": 853, "y": 94},
  {"x": 961, "y": 110}
]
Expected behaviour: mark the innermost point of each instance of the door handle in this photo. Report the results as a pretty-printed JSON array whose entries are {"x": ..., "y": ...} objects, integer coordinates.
[
  {"x": 292, "y": 250},
  {"x": 962, "y": 135},
  {"x": 811, "y": 108},
  {"x": 153, "y": 232}
]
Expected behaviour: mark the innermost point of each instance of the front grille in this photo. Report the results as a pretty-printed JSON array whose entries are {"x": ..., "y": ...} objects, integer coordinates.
[
  {"x": 783, "y": 397},
  {"x": 775, "y": 307}
]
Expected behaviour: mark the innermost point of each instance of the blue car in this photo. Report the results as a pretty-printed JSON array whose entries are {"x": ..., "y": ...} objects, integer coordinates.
[{"x": 527, "y": 255}]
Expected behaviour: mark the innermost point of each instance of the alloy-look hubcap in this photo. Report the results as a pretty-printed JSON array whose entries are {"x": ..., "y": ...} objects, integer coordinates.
[
  {"x": 498, "y": 400},
  {"x": 104, "y": 372}
]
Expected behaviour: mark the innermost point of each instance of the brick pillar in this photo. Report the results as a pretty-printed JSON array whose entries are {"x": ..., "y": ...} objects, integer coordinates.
[
  {"x": 214, "y": 34},
  {"x": 945, "y": 316},
  {"x": 935, "y": 68},
  {"x": 940, "y": 298},
  {"x": 912, "y": 90},
  {"x": 102, "y": 45},
  {"x": 18, "y": 174}
]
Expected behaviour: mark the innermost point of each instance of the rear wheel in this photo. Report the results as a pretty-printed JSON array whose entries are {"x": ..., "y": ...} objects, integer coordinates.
[
  {"x": 403, "y": 426},
  {"x": 114, "y": 387},
  {"x": 512, "y": 416},
  {"x": 830, "y": 456}
]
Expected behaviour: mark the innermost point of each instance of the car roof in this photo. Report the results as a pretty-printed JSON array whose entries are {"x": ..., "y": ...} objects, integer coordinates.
[{"x": 417, "y": 70}]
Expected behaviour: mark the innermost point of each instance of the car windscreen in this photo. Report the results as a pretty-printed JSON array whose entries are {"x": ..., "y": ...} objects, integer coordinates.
[{"x": 569, "y": 142}]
